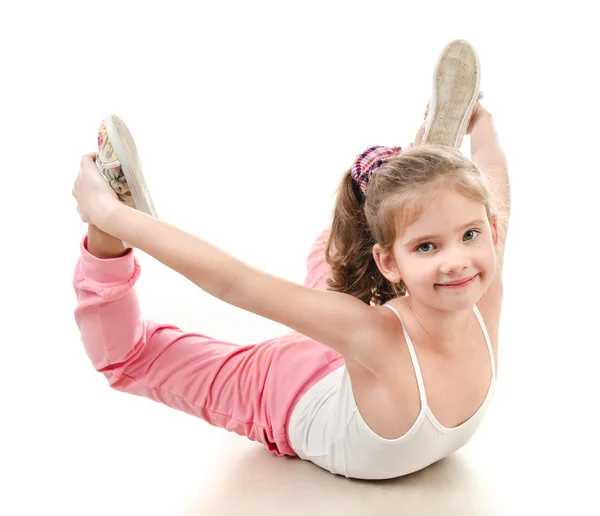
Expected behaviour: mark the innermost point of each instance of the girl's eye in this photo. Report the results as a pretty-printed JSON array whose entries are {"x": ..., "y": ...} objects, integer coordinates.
[
  {"x": 420, "y": 248},
  {"x": 474, "y": 231}
]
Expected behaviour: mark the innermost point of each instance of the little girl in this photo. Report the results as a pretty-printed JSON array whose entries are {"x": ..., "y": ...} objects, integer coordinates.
[{"x": 391, "y": 363}]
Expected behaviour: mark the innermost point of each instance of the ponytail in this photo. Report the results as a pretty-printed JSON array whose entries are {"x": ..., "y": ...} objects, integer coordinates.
[{"x": 349, "y": 250}]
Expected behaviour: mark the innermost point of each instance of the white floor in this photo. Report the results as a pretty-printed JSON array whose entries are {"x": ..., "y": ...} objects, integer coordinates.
[{"x": 246, "y": 115}]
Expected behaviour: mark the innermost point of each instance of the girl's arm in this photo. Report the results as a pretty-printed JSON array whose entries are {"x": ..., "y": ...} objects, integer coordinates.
[
  {"x": 337, "y": 320},
  {"x": 487, "y": 154}
]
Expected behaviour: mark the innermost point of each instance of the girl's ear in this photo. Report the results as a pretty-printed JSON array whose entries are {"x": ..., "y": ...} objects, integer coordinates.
[
  {"x": 386, "y": 264},
  {"x": 494, "y": 226}
]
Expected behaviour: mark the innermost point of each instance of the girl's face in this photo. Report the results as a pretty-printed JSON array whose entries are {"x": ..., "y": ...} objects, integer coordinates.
[{"x": 452, "y": 240}]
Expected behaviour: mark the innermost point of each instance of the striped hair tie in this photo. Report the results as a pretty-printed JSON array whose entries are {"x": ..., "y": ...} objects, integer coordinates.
[{"x": 368, "y": 162}]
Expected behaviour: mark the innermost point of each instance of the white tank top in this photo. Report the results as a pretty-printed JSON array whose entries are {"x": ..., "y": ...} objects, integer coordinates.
[{"x": 327, "y": 428}]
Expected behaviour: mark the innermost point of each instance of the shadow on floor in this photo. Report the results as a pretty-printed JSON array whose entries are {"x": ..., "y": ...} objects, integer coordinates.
[{"x": 253, "y": 481}]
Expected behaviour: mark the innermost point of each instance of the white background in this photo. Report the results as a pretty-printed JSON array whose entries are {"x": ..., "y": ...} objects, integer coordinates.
[{"x": 246, "y": 115}]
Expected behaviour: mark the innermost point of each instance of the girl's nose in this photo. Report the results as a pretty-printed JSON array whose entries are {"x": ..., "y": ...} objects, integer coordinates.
[{"x": 455, "y": 260}]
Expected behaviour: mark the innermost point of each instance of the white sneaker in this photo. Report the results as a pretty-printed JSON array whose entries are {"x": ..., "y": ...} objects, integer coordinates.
[
  {"x": 455, "y": 93},
  {"x": 118, "y": 161}
]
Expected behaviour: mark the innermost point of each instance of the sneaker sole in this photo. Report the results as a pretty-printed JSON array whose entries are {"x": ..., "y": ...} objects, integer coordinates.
[
  {"x": 455, "y": 93},
  {"x": 126, "y": 150}
]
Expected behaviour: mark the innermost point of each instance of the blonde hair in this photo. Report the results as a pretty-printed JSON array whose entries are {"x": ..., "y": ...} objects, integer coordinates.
[{"x": 398, "y": 188}]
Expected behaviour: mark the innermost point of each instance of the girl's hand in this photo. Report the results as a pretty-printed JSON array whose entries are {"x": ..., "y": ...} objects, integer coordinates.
[
  {"x": 421, "y": 132},
  {"x": 94, "y": 195}
]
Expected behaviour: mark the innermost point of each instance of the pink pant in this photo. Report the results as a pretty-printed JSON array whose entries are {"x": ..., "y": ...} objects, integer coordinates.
[{"x": 250, "y": 390}]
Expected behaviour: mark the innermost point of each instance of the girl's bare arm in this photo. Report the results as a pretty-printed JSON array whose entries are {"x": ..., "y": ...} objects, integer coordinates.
[
  {"x": 487, "y": 154},
  {"x": 337, "y": 320}
]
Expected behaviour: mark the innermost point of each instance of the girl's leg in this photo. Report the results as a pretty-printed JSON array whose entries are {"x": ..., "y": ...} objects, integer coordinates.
[
  {"x": 220, "y": 382},
  {"x": 246, "y": 389},
  {"x": 317, "y": 268}
]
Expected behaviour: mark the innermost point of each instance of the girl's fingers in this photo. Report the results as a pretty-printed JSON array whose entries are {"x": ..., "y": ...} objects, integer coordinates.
[{"x": 419, "y": 135}]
